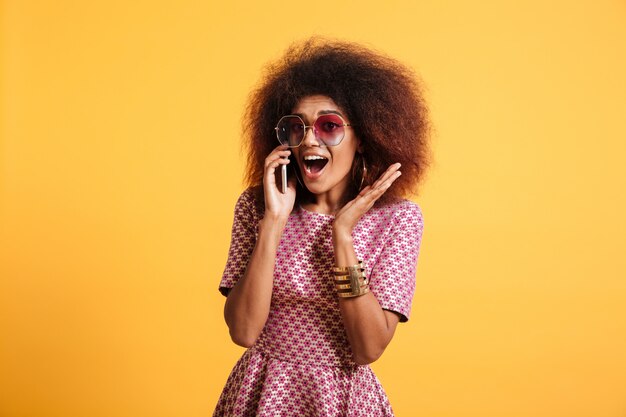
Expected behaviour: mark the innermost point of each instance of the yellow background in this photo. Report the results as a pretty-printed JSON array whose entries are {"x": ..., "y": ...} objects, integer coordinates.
[{"x": 120, "y": 167}]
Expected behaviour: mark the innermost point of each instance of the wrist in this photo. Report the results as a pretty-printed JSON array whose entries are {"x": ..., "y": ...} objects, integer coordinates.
[
  {"x": 342, "y": 236},
  {"x": 272, "y": 222}
]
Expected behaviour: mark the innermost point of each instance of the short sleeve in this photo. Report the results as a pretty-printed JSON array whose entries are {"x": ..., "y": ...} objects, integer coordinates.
[
  {"x": 242, "y": 241},
  {"x": 392, "y": 278}
]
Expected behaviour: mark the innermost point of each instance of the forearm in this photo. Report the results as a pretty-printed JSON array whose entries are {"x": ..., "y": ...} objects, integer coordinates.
[
  {"x": 248, "y": 303},
  {"x": 368, "y": 326}
]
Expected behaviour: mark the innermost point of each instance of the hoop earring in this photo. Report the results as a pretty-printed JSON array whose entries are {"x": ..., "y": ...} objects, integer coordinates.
[{"x": 363, "y": 174}]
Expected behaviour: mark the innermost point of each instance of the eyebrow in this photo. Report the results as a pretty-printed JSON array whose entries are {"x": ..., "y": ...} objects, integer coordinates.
[{"x": 320, "y": 113}]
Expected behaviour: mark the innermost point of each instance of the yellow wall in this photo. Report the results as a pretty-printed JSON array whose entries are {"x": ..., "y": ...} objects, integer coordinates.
[{"x": 120, "y": 167}]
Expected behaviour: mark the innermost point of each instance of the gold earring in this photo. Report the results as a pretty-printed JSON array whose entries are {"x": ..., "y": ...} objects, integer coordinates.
[{"x": 364, "y": 173}]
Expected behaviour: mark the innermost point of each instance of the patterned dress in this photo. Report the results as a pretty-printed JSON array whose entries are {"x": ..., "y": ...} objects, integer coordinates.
[{"x": 301, "y": 364}]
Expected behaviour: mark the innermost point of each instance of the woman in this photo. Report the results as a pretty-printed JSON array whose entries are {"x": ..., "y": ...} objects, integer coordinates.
[{"x": 319, "y": 274}]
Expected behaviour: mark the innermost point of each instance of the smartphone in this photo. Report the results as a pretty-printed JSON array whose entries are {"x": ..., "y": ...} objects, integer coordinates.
[{"x": 283, "y": 176}]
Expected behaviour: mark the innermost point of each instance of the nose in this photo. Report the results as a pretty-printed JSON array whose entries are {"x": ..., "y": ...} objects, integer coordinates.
[{"x": 309, "y": 137}]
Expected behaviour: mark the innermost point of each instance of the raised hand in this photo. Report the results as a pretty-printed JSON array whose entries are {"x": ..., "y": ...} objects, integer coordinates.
[
  {"x": 349, "y": 215},
  {"x": 277, "y": 204}
]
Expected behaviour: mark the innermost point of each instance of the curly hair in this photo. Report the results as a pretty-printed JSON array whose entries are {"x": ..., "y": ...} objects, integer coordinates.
[{"x": 382, "y": 98}]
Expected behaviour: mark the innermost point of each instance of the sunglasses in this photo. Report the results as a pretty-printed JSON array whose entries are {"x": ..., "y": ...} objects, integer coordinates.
[{"x": 327, "y": 128}]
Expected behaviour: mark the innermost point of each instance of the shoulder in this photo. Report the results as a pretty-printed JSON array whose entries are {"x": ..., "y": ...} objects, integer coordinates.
[
  {"x": 250, "y": 197},
  {"x": 403, "y": 212},
  {"x": 249, "y": 203},
  {"x": 406, "y": 207}
]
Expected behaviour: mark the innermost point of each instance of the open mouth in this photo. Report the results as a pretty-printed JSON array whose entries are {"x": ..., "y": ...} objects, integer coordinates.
[{"x": 314, "y": 164}]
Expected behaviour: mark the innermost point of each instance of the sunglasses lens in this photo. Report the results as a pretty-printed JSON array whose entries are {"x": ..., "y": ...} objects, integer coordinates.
[
  {"x": 290, "y": 130},
  {"x": 329, "y": 129}
]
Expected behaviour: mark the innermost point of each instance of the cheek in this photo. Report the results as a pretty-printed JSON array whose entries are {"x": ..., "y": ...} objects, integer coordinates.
[
  {"x": 344, "y": 161},
  {"x": 346, "y": 156}
]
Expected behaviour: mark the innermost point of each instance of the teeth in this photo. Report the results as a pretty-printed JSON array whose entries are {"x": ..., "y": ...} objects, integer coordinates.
[{"x": 313, "y": 157}]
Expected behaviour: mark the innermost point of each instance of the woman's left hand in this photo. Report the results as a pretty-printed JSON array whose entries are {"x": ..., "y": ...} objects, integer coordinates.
[{"x": 349, "y": 215}]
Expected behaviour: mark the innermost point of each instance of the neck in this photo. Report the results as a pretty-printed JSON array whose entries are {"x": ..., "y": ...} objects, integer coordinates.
[{"x": 329, "y": 202}]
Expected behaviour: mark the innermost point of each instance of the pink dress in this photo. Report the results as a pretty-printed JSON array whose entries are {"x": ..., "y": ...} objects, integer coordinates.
[{"x": 302, "y": 365}]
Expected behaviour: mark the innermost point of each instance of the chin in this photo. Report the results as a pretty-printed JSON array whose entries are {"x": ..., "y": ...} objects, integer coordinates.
[{"x": 315, "y": 188}]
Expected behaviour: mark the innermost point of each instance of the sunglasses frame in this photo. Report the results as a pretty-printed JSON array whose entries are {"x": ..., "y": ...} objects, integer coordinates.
[{"x": 312, "y": 126}]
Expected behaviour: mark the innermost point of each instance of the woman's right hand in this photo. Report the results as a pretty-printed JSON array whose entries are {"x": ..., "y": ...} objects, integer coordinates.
[{"x": 278, "y": 205}]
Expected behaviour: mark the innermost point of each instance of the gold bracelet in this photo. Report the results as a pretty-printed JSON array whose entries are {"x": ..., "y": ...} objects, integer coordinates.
[
  {"x": 343, "y": 270},
  {"x": 347, "y": 281},
  {"x": 350, "y": 281},
  {"x": 343, "y": 286},
  {"x": 351, "y": 294}
]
